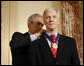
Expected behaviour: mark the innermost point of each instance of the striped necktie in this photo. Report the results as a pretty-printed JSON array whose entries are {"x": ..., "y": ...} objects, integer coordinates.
[{"x": 54, "y": 51}]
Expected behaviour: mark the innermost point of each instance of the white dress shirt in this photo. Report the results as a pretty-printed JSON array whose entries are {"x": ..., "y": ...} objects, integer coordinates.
[{"x": 32, "y": 36}]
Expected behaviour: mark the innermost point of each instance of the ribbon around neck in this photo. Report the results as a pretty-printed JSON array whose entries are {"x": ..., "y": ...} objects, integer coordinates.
[{"x": 47, "y": 36}]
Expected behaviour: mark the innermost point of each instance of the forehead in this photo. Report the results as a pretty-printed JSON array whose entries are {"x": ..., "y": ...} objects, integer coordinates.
[
  {"x": 49, "y": 13},
  {"x": 38, "y": 19}
]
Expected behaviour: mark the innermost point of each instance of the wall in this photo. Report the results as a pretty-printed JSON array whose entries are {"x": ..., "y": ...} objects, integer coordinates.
[{"x": 5, "y": 33}]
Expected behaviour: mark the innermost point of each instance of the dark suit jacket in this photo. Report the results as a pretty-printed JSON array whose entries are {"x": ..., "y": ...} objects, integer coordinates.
[
  {"x": 19, "y": 46},
  {"x": 41, "y": 54}
]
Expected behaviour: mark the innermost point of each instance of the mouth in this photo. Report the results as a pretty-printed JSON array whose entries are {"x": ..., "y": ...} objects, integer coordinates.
[{"x": 51, "y": 23}]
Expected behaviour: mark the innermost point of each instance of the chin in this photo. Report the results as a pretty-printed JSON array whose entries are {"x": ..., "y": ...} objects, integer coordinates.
[{"x": 51, "y": 27}]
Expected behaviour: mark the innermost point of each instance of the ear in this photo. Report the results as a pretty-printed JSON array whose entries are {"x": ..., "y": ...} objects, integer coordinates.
[{"x": 44, "y": 22}]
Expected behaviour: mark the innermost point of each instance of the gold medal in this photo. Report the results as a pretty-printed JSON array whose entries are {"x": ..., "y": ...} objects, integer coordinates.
[{"x": 55, "y": 46}]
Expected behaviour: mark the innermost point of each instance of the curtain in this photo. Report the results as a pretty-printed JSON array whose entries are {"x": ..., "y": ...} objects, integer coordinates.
[{"x": 70, "y": 21}]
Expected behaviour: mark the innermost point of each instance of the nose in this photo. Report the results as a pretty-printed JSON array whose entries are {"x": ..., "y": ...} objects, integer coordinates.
[
  {"x": 50, "y": 19},
  {"x": 40, "y": 26}
]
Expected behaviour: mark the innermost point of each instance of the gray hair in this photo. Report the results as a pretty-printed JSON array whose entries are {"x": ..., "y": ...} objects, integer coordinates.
[
  {"x": 33, "y": 16},
  {"x": 51, "y": 9}
]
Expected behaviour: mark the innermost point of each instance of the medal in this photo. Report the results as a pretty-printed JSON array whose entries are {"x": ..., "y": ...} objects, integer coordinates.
[{"x": 55, "y": 46}]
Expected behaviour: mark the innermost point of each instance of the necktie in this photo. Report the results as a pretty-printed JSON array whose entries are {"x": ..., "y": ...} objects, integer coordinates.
[{"x": 54, "y": 51}]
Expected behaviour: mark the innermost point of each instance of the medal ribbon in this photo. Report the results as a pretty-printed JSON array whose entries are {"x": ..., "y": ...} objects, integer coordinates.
[{"x": 47, "y": 36}]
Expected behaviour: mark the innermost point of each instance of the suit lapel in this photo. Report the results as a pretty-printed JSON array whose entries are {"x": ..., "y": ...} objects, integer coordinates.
[
  {"x": 60, "y": 47},
  {"x": 46, "y": 47}
]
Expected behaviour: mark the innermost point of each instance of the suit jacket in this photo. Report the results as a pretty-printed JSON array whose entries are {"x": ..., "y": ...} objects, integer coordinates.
[
  {"x": 40, "y": 53},
  {"x": 19, "y": 46}
]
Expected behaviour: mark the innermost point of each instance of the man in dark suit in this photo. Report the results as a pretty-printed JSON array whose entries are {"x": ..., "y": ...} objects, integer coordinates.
[
  {"x": 53, "y": 48},
  {"x": 21, "y": 42}
]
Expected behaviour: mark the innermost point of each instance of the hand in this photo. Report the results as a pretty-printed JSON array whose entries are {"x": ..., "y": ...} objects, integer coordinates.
[{"x": 40, "y": 32}]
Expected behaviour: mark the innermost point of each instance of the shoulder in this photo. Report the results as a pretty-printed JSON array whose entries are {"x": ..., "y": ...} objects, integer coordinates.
[
  {"x": 19, "y": 34},
  {"x": 15, "y": 34},
  {"x": 67, "y": 38},
  {"x": 68, "y": 41}
]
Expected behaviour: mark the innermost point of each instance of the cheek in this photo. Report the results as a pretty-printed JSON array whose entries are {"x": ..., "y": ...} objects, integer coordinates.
[
  {"x": 33, "y": 27},
  {"x": 56, "y": 21},
  {"x": 46, "y": 22},
  {"x": 56, "y": 24},
  {"x": 36, "y": 27}
]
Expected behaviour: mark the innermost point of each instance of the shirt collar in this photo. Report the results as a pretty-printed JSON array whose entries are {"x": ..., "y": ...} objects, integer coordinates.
[
  {"x": 53, "y": 33},
  {"x": 29, "y": 33}
]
